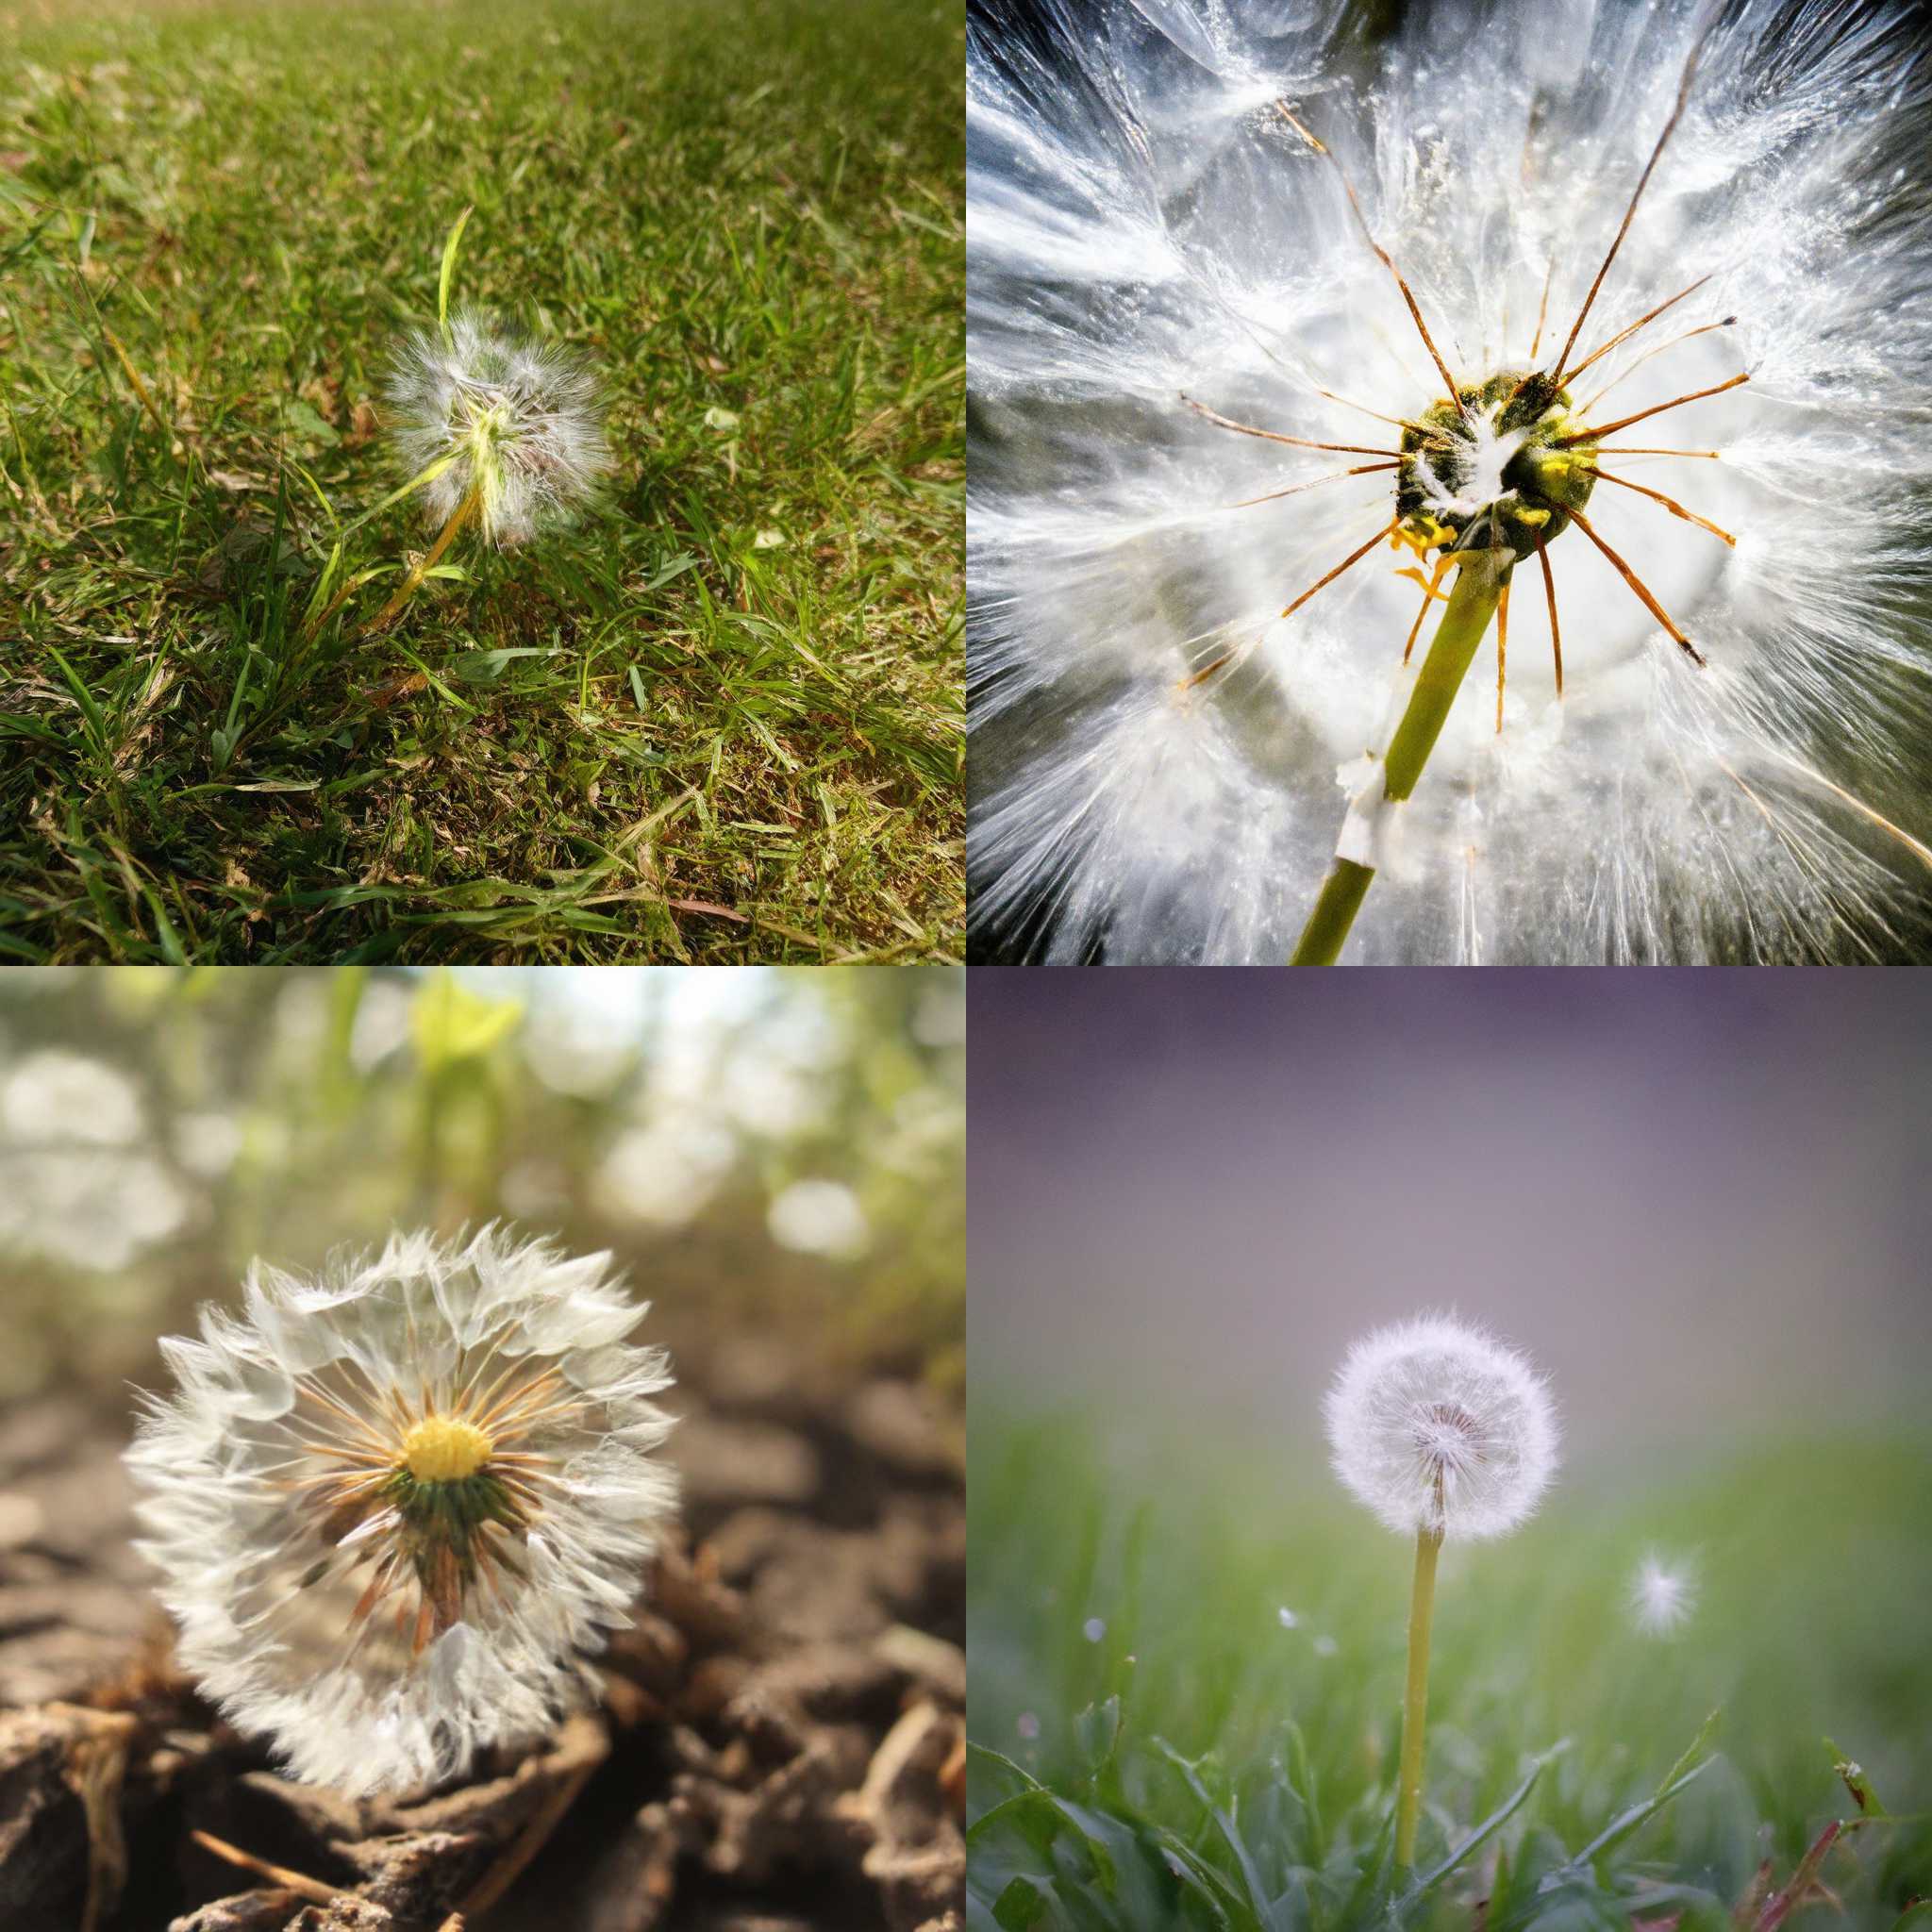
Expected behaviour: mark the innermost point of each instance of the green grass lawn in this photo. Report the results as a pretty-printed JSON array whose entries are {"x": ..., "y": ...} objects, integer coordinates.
[
  {"x": 719, "y": 720},
  {"x": 1187, "y": 1686}
]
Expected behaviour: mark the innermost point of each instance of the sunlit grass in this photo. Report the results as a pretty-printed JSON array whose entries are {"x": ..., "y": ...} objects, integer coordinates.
[
  {"x": 1202, "y": 1664},
  {"x": 719, "y": 721}
]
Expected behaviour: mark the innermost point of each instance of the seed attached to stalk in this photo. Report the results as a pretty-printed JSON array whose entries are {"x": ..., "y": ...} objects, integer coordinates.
[
  {"x": 498, "y": 430},
  {"x": 1442, "y": 1431}
]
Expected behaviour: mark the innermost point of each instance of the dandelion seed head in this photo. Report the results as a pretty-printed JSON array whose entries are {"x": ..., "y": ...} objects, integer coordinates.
[
  {"x": 1437, "y": 1425},
  {"x": 1663, "y": 1594},
  {"x": 393, "y": 1506},
  {"x": 1147, "y": 227},
  {"x": 519, "y": 420}
]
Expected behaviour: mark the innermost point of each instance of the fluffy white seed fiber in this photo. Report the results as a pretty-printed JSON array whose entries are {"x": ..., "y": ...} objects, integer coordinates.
[
  {"x": 518, "y": 418},
  {"x": 1436, "y": 1424},
  {"x": 269, "y": 1537},
  {"x": 1663, "y": 1594},
  {"x": 1144, "y": 225}
]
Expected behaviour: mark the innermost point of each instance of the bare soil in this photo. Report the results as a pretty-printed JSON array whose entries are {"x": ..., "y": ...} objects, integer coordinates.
[{"x": 780, "y": 1743}]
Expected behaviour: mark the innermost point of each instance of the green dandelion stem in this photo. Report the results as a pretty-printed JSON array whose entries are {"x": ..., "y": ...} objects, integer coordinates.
[
  {"x": 1415, "y": 1702},
  {"x": 1339, "y": 900},
  {"x": 1478, "y": 588},
  {"x": 458, "y": 517}
]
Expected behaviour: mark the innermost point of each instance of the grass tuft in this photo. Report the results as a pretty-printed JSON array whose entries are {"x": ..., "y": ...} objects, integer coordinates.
[
  {"x": 1186, "y": 1709},
  {"x": 720, "y": 721}
]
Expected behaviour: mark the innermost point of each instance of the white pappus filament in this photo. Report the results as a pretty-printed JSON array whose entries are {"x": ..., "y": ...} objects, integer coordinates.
[
  {"x": 392, "y": 1506},
  {"x": 1251, "y": 317},
  {"x": 1439, "y": 1427},
  {"x": 515, "y": 421}
]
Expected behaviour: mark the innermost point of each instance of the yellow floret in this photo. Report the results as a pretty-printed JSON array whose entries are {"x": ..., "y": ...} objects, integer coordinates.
[{"x": 440, "y": 1450}]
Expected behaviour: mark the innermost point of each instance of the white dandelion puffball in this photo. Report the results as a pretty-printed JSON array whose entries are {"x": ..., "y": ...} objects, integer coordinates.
[
  {"x": 1662, "y": 1595},
  {"x": 519, "y": 419},
  {"x": 1214, "y": 461},
  {"x": 392, "y": 1505},
  {"x": 1438, "y": 1426}
]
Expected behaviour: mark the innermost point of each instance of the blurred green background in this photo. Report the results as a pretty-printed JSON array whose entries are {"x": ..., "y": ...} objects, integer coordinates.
[{"x": 769, "y": 1151}]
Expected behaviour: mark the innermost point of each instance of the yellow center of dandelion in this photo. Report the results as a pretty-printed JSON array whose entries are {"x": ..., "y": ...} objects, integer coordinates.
[{"x": 441, "y": 1450}]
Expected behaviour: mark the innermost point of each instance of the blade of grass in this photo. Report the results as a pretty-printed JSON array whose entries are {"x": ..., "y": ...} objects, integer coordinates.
[
  {"x": 1259, "y": 1898},
  {"x": 1487, "y": 1828},
  {"x": 1857, "y": 1783},
  {"x": 449, "y": 264},
  {"x": 1622, "y": 1825},
  {"x": 96, "y": 724},
  {"x": 415, "y": 482}
]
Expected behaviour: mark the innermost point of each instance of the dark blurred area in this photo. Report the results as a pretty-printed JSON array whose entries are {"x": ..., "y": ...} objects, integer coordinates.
[
  {"x": 770, "y": 1153},
  {"x": 1697, "y": 1198}
]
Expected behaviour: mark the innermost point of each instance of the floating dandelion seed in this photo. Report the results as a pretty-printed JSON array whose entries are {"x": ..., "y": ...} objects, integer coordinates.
[
  {"x": 1662, "y": 1595},
  {"x": 1275, "y": 373},
  {"x": 391, "y": 1506},
  {"x": 1442, "y": 1430}
]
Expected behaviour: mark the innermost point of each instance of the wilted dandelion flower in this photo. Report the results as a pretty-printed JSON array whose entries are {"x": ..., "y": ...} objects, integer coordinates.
[
  {"x": 517, "y": 420},
  {"x": 1438, "y": 1426},
  {"x": 392, "y": 1505},
  {"x": 1662, "y": 1595},
  {"x": 1267, "y": 339}
]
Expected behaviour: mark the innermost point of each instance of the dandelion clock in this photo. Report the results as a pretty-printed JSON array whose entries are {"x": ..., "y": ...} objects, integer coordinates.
[
  {"x": 1444, "y": 1432},
  {"x": 498, "y": 431},
  {"x": 510, "y": 426},
  {"x": 1453, "y": 498},
  {"x": 395, "y": 1505}
]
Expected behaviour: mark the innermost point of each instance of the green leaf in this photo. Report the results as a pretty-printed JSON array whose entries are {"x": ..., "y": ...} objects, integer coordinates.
[
  {"x": 1021, "y": 1906},
  {"x": 319, "y": 598},
  {"x": 675, "y": 568},
  {"x": 96, "y": 724},
  {"x": 1258, "y": 1896},
  {"x": 637, "y": 688},
  {"x": 1489, "y": 1827},
  {"x": 312, "y": 424},
  {"x": 164, "y": 931},
  {"x": 1857, "y": 1783},
  {"x": 479, "y": 667},
  {"x": 1626, "y": 1823},
  {"x": 450, "y": 1023},
  {"x": 327, "y": 507},
  {"x": 449, "y": 264},
  {"x": 1097, "y": 1731},
  {"x": 415, "y": 482},
  {"x": 1692, "y": 1750}
]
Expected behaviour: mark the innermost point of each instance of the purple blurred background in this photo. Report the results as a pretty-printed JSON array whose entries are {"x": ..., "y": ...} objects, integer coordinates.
[{"x": 1701, "y": 1199}]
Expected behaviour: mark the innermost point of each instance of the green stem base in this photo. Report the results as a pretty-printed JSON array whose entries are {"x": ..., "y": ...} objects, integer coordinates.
[
  {"x": 1478, "y": 587},
  {"x": 1415, "y": 1702},
  {"x": 1336, "y": 905}
]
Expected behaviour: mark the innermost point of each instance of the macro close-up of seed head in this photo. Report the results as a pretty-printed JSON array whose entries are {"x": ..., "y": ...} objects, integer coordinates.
[{"x": 1297, "y": 350}]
